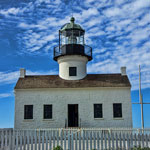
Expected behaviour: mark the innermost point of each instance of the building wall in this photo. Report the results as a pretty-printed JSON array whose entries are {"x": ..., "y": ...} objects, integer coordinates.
[{"x": 85, "y": 98}]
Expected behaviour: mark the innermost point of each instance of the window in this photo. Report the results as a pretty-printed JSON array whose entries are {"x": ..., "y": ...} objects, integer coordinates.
[
  {"x": 98, "y": 112},
  {"x": 28, "y": 111},
  {"x": 47, "y": 111},
  {"x": 72, "y": 71},
  {"x": 117, "y": 110}
]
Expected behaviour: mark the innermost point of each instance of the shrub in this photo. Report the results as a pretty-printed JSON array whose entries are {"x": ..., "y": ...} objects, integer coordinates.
[
  {"x": 139, "y": 148},
  {"x": 58, "y": 148}
]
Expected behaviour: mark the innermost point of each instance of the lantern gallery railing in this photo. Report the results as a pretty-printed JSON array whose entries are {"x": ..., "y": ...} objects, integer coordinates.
[{"x": 73, "y": 49}]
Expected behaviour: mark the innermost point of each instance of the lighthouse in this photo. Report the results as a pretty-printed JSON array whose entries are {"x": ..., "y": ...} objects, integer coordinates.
[
  {"x": 73, "y": 98},
  {"x": 72, "y": 54}
]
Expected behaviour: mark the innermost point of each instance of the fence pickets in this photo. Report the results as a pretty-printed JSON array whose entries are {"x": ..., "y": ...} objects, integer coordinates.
[{"x": 73, "y": 139}]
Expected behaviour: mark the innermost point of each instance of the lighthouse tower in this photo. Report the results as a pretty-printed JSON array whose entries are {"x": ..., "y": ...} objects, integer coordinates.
[{"x": 72, "y": 54}]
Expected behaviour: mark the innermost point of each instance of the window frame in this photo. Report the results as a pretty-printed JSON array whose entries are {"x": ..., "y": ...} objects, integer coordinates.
[
  {"x": 26, "y": 117},
  {"x": 44, "y": 112},
  {"x": 71, "y": 74},
  {"x": 101, "y": 117},
  {"x": 121, "y": 116}
]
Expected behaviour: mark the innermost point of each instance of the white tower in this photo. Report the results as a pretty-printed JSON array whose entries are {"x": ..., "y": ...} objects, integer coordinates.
[{"x": 72, "y": 54}]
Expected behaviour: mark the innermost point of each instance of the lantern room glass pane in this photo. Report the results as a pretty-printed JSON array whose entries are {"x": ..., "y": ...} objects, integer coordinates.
[
  {"x": 72, "y": 37},
  {"x": 63, "y": 40}
]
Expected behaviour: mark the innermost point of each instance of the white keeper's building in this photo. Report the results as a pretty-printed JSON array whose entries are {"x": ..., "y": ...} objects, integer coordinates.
[{"x": 73, "y": 98}]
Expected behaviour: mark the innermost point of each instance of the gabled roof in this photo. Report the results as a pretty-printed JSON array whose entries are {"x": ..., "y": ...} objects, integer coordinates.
[{"x": 91, "y": 80}]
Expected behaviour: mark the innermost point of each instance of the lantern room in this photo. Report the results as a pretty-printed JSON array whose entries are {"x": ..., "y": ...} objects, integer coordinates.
[
  {"x": 72, "y": 42},
  {"x": 71, "y": 33}
]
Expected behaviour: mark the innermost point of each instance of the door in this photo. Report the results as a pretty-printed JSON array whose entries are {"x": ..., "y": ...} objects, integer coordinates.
[{"x": 72, "y": 115}]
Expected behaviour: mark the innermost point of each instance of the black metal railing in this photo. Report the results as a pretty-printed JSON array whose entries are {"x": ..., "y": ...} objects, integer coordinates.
[{"x": 83, "y": 50}]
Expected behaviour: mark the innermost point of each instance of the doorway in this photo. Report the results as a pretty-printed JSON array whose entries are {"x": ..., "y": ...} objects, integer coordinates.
[{"x": 72, "y": 115}]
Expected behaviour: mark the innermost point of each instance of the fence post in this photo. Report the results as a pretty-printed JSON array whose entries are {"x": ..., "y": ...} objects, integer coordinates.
[
  {"x": 83, "y": 140},
  {"x": 13, "y": 140},
  {"x": 98, "y": 140},
  {"x": 131, "y": 139},
  {"x": 16, "y": 137},
  {"x": 61, "y": 138},
  {"x": 64, "y": 139},
  {"x": 39, "y": 138},
  {"x": 46, "y": 140},
  {"x": 69, "y": 145},
  {"x": 105, "y": 139},
  {"x": 10, "y": 139},
  {"x": 102, "y": 140},
  {"x": 31, "y": 135},
  {"x": 124, "y": 141},
  {"x": 6, "y": 135},
  {"x": 72, "y": 141},
  {"x": 50, "y": 139},
  {"x": 80, "y": 139},
  {"x": 43, "y": 137},
  {"x": 2, "y": 139},
  {"x": 112, "y": 139},
  {"x": 146, "y": 139},
  {"x": 53, "y": 138}
]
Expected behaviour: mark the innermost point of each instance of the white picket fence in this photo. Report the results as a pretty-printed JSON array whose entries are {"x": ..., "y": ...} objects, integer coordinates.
[{"x": 74, "y": 139}]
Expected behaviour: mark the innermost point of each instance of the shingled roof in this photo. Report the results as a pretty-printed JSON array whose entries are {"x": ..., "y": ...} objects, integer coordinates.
[{"x": 91, "y": 80}]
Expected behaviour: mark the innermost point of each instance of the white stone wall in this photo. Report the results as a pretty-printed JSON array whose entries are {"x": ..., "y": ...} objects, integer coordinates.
[
  {"x": 85, "y": 98},
  {"x": 72, "y": 61}
]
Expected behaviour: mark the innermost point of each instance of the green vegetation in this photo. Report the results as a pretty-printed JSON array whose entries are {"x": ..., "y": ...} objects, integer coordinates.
[
  {"x": 139, "y": 148},
  {"x": 58, "y": 148},
  {"x": 135, "y": 148}
]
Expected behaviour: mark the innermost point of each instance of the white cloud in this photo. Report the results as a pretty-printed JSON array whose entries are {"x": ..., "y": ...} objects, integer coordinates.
[
  {"x": 111, "y": 12},
  {"x": 85, "y": 14},
  {"x": 11, "y": 11},
  {"x": 92, "y": 21},
  {"x": 139, "y": 35},
  {"x": 51, "y": 72},
  {"x": 89, "y": 1},
  {"x": 9, "y": 77},
  {"x": 139, "y": 4},
  {"x": 12, "y": 77},
  {"x": 117, "y": 27},
  {"x": 30, "y": 26},
  {"x": 145, "y": 20},
  {"x": 5, "y": 95}
]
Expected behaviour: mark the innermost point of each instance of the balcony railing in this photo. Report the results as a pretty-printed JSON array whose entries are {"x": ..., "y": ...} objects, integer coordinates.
[{"x": 73, "y": 49}]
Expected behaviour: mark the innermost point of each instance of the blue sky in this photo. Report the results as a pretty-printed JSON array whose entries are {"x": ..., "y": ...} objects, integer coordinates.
[{"x": 117, "y": 30}]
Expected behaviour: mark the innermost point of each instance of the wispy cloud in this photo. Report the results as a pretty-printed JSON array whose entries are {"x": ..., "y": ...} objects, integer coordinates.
[
  {"x": 118, "y": 31},
  {"x": 12, "y": 77},
  {"x": 11, "y": 11},
  {"x": 9, "y": 77},
  {"x": 5, "y": 95}
]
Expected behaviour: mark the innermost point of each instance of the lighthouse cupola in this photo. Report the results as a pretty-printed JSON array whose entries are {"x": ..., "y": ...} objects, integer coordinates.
[{"x": 72, "y": 54}]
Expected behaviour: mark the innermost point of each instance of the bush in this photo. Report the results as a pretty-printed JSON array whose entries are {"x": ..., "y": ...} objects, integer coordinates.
[
  {"x": 139, "y": 148},
  {"x": 58, "y": 148}
]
